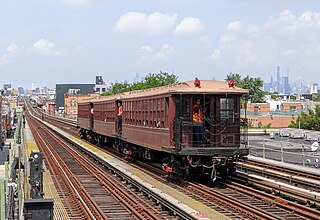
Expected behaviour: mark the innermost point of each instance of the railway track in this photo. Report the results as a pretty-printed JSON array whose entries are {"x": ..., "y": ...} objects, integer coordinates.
[
  {"x": 236, "y": 201},
  {"x": 88, "y": 190},
  {"x": 301, "y": 179},
  {"x": 296, "y": 186}
]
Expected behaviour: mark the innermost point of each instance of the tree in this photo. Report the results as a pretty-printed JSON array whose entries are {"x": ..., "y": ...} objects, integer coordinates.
[
  {"x": 254, "y": 86},
  {"x": 293, "y": 97},
  {"x": 274, "y": 96},
  {"x": 315, "y": 97},
  {"x": 152, "y": 80},
  {"x": 116, "y": 88},
  {"x": 309, "y": 120}
]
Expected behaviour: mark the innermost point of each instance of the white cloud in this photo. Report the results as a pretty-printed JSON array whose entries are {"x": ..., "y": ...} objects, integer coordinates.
[
  {"x": 289, "y": 23},
  {"x": 149, "y": 54},
  {"x": 216, "y": 54},
  {"x": 205, "y": 39},
  {"x": 146, "y": 49},
  {"x": 11, "y": 51},
  {"x": 189, "y": 25},
  {"x": 153, "y": 24},
  {"x": 46, "y": 47},
  {"x": 165, "y": 51},
  {"x": 288, "y": 52},
  {"x": 75, "y": 2},
  {"x": 286, "y": 38},
  {"x": 234, "y": 26}
]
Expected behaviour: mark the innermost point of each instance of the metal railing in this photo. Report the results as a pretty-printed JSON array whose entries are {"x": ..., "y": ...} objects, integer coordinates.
[
  {"x": 229, "y": 131},
  {"x": 300, "y": 156},
  {"x": 272, "y": 113}
]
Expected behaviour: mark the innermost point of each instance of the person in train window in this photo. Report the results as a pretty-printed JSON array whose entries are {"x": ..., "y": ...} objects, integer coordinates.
[
  {"x": 206, "y": 117},
  {"x": 197, "y": 120},
  {"x": 119, "y": 109},
  {"x": 119, "y": 117}
]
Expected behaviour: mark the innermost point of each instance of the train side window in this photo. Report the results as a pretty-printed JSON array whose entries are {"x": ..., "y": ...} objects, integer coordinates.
[
  {"x": 167, "y": 112},
  {"x": 183, "y": 106}
]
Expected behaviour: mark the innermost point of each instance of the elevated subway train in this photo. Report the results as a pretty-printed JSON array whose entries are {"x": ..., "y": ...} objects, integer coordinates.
[{"x": 159, "y": 124}]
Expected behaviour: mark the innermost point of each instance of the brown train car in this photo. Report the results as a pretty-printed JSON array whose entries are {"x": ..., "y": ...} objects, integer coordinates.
[
  {"x": 84, "y": 115},
  {"x": 157, "y": 124},
  {"x": 98, "y": 117}
]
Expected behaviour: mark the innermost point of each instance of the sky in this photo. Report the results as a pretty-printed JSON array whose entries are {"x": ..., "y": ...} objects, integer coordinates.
[{"x": 72, "y": 41}]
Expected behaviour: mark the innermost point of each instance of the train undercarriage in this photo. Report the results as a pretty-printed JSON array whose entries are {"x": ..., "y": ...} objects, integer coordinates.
[{"x": 185, "y": 166}]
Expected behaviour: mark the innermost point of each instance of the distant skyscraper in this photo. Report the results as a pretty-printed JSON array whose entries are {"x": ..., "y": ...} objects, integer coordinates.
[
  {"x": 267, "y": 87},
  {"x": 314, "y": 88},
  {"x": 34, "y": 86},
  {"x": 271, "y": 80},
  {"x": 278, "y": 87},
  {"x": 21, "y": 90},
  {"x": 285, "y": 85},
  {"x": 7, "y": 86},
  {"x": 278, "y": 74}
]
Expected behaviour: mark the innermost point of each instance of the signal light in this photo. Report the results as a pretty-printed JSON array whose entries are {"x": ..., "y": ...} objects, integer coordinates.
[
  {"x": 231, "y": 83},
  {"x": 197, "y": 82}
]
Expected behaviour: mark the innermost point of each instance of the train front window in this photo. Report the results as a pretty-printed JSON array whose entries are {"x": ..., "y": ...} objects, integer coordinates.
[{"x": 227, "y": 108}]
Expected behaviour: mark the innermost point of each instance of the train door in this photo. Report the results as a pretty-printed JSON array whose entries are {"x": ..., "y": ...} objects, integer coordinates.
[
  {"x": 228, "y": 128},
  {"x": 183, "y": 121},
  {"x": 91, "y": 118},
  {"x": 119, "y": 111},
  {"x": 209, "y": 120}
]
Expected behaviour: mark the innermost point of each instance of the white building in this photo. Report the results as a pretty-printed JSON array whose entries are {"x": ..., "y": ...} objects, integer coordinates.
[
  {"x": 100, "y": 85},
  {"x": 34, "y": 85}
]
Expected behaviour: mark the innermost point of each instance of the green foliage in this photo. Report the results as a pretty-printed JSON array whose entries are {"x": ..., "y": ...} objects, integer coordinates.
[
  {"x": 316, "y": 97},
  {"x": 293, "y": 97},
  {"x": 268, "y": 125},
  {"x": 264, "y": 126},
  {"x": 254, "y": 86},
  {"x": 152, "y": 80},
  {"x": 275, "y": 96},
  {"x": 116, "y": 88},
  {"x": 309, "y": 120}
]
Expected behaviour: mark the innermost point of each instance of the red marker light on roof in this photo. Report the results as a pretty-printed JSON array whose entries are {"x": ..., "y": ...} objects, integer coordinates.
[
  {"x": 197, "y": 83},
  {"x": 231, "y": 83}
]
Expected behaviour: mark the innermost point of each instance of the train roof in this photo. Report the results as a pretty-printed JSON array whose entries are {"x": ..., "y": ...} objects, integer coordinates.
[{"x": 188, "y": 87}]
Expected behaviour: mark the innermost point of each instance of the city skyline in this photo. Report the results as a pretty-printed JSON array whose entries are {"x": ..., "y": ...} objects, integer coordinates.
[
  {"x": 266, "y": 83},
  {"x": 64, "y": 41}
]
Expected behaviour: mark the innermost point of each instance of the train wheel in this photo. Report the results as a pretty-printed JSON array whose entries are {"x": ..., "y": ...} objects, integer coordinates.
[
  {"x": 186, "y": 174},
  {"x": 232, "y": 171},
  {"x": 223, "y": 173}
]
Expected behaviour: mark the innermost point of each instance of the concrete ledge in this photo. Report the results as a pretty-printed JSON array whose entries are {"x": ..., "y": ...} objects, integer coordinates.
[{"x": 285, "y": 165}]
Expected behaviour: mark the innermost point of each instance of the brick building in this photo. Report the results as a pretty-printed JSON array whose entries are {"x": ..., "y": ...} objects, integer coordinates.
[
  {"x": 277, "y": 114},
  {"x": 50, "y": 107},
  {"x": 71, "y": 103}
]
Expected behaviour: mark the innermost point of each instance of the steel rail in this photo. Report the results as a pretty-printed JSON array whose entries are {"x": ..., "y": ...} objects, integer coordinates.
[
  {"x": 128, "y": 202},
  {"x": 83, "y": 204},
  {"x": 114, "y": 187},
  {"x": 290, "y": 206}
]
